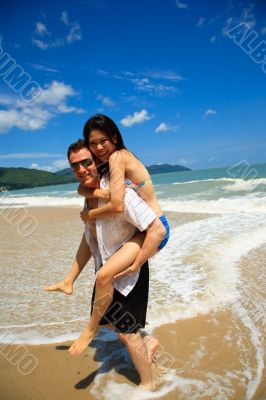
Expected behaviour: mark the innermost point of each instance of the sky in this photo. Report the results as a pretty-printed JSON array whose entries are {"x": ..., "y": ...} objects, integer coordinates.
[{"x": 184, "y": 80}]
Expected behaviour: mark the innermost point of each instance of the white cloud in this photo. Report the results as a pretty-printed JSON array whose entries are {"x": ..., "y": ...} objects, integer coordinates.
[
  {"x": 60, "y": 164},
  {"x": 64, "y": 18},
  {"x": 44, "y": 68},
  {"x": 186, "y": 162},
  {"x": 27, "y": 118},
  {"x": 102, "y": 72},
  {"x": 163, "y": 127},
  {"x": 75, "y": 31},
  {"x": 148, "y": 82},
  {"x": 39, "y": 43},
  {"x": 232, "y": 15},
  {"x": 36, "y": 166},
  {"x": 41, "y": 30},
  {"x": 54, "y": 167},
  {"x": 6, "y": 100},
  {"x": 73, "y": 35},
  {"x": 153, "y": 88},
  {"x": 64, "y": 109},
  {"x": 136, "y": 118},
  {"x": 164, "y": 74},
  {"x": 12, "y": 156},
  {"x": 142, "y": 83},
  {"x": 209, "y": 112},
  {"x": 43, "y": 45},
  {"x": 247, "y": 17},
  {"x": 50, "y": 102},
  {"x": 181, "y": 6},
  {"x": 106, "y": 101},
  {"x": 201, "y": 21},
  {"x": 213, "y": 158},
  {"x": 55, "y": 93}
]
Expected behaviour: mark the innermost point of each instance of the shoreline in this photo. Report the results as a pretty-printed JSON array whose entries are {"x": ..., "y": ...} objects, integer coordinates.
[
  {"x": 82, "y": 374},
  {"x": 199, "y": 345}
]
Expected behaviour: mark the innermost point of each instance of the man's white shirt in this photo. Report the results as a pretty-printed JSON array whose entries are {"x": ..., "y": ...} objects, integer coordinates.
[{"x": 113, "y": 232}]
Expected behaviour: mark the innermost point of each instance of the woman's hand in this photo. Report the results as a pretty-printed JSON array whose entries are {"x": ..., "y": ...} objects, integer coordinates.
[{"x": 90, "y": 193}]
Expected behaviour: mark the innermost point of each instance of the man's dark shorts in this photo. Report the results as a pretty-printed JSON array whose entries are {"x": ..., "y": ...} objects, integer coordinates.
[{"x": 128, "y": 314}]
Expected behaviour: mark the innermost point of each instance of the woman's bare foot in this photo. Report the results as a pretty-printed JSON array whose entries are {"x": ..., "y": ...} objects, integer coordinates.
[
  {"x": 152, "y": 344},
  {"x": 82, "y": 342},
  {"x": 61, "y": 286}
]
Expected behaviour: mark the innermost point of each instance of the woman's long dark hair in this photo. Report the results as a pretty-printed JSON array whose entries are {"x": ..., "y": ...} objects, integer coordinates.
[{"x": 105, "y": 124}]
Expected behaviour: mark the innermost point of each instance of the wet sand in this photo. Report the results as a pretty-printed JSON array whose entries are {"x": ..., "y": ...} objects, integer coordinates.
[{"x": 60, "y": 376}]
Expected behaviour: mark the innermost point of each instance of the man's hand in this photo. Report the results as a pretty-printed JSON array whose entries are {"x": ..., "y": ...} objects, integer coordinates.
[
  {"x": 85, "y": 216},
  {"x": 129, "y": 270}
]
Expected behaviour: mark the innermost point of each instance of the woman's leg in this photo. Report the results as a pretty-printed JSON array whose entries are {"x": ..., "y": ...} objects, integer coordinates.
[{"x": 104, "y": 290}]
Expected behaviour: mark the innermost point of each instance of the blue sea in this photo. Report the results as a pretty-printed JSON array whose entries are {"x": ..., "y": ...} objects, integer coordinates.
[
  {"x": 213, "y": 266},
  {"x": 220, "y": 190}
]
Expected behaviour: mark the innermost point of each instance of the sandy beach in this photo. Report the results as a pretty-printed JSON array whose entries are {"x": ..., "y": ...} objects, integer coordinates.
[{"x": 53, "y": 374}]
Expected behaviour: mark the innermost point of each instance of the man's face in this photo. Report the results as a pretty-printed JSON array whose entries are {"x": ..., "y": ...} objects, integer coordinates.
[{"x": 86, "y": 175}]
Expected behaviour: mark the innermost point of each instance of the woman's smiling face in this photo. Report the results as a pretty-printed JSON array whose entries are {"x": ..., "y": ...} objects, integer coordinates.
[{"x": 101, "y": 145}]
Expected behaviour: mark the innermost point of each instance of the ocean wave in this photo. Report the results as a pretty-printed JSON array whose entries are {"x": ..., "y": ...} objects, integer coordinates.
[
  {"x": 41, "y": 324},
  {"x": 200, "y": 266},
  {"x": 246, "y": 185},
  {"x": 220, "y": 206},
  {"x": 205, "y": 180},
  {"x": 40, "y": 201},
  {"x": 36, "y": 338}
]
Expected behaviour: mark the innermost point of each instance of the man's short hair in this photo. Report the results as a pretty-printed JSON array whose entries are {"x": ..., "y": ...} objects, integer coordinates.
[{"x": 76, "y": 146}]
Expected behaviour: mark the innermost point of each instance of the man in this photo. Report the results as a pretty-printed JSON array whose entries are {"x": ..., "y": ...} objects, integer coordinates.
[{"x": 127, "y": 312}]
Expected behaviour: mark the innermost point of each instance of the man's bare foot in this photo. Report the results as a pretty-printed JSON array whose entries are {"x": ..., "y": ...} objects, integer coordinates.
[
  {"x": 158, "y": 371},
  {"x": 61, "y": 286},
  {"x": 82, "y": 342},
  {"x": 152, "y": 344},
  {"x": 148, "y": 386}
]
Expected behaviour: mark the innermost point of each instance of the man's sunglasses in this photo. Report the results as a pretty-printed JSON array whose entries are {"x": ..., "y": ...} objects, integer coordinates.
[{"x": 85, "y": 163}]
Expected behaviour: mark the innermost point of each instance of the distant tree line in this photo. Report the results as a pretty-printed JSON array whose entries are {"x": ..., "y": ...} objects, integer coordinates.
[{"x": 21, "y": 178}]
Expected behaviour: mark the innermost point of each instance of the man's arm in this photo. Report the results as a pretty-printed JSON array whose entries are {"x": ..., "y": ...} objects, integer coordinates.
[{"x": 155, "y": 234}]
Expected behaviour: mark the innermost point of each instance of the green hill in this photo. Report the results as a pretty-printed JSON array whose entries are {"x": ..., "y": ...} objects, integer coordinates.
[
  {"x": 153, "y": 169},
  {"x": 20, "y": 178},
  {"x": 165, "y": 168},
  {"x": 66, "y": 171}
]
